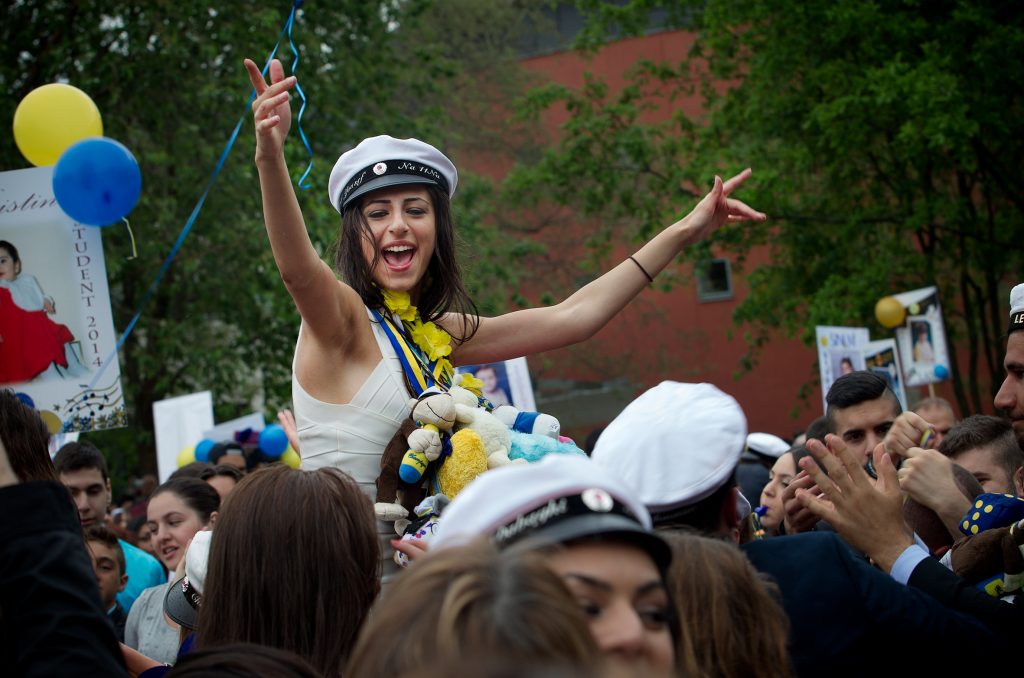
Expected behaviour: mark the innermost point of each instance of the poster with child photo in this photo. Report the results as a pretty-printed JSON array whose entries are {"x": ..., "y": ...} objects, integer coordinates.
[
  {"x": 505, "y": 383},
  {"x": 56, "y": 327}
]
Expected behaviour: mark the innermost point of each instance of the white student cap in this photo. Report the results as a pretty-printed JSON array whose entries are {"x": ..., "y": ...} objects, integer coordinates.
[
  {"x": 675, "y": 444},
  {"x": 767, "y": 445},
  {"x": 1016, "y": 308},
  {"x": 556, "y": 500},
  {"x": 379, "y": 162}
]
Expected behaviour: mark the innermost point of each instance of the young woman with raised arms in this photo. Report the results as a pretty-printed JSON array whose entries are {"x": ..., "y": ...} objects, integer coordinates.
[{"x": 396, "y": 255}]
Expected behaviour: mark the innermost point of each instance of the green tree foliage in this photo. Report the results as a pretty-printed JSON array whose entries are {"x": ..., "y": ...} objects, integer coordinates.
[
  {"x": 168, "y": 79},
  {"x": 885, "y": 138}
]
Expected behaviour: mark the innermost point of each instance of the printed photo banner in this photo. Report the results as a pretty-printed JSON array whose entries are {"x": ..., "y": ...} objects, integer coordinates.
[
  {"x": 840, "y": 351},
  {"x": 882, "y": 358},
  {"x": 922, "y": 339},
  {"x": 55, "y": 321},
  {"x": 505, "y": 383}
]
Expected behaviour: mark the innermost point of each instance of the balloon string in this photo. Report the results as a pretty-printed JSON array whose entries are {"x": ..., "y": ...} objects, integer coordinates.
[
  {"x": 131, "y": 237},
  {"x": 187, "y": 228}
]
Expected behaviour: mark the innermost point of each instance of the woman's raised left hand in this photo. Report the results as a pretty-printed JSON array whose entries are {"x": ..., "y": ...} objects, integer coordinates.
[{"x": 718, "y": 208}]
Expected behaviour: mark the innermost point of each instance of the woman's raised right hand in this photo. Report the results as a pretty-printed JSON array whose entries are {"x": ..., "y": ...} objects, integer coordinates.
[{"x": 271, "y": 109}]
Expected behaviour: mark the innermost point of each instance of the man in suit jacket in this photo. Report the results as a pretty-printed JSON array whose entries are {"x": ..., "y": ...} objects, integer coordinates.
[{"x": 678, "y": 446}]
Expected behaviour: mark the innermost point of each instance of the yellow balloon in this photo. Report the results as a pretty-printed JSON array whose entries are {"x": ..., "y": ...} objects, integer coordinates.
[
  {"x": 51, "y": 118},
  {"x": 890, "y": 312},
  {"x": 52, "y": 421},
  {"x": 291, "y": 458},
  {"x": 186, "y": 456}
]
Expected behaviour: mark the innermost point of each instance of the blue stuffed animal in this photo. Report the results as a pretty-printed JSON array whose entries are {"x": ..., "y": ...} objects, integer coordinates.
[{"x": 534, "y": 447}]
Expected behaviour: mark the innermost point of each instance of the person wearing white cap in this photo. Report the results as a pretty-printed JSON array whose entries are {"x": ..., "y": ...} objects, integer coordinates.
[
  {"x": 677, "y": 446},
  {"x": 402, "y": 313},
  {"x": 763, "y": 451},
  {"x": 1010, "y": 398},
  {"x": 185, "y": 596},
  {"x": 598, "y": 534}
]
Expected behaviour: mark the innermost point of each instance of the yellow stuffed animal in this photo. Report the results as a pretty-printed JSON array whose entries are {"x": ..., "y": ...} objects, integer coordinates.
[{"x": 467, "y": 460}]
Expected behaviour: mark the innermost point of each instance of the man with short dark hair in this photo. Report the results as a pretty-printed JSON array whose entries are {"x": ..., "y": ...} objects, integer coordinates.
[
  {"x": 83, "y": 470},
  {"x": 987, "y": 447},
  {"x": 861, "y": 410},
  {"x": 109, "y": 565}
]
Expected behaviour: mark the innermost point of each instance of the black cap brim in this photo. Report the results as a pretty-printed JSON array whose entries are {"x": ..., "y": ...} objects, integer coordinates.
[
  {"x": 603, "y": 525},
  {"x": 386, "y": 181},
  {"x": 178, "y": 609}
]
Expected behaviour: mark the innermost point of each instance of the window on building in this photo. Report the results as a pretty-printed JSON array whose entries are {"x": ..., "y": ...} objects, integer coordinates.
[{"x": 714, "y": 280}]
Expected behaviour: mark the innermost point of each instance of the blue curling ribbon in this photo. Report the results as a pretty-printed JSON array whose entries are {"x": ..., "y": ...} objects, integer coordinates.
[
  {"x": 302, "y": 96},
  {"x": 285, "y": 32}
]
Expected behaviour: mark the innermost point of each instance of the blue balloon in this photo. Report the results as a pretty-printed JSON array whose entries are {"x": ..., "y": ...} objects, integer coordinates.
[
  {"x": 273, "y": 441},
  {"x": 97, "y": 181},
  {"x": 25, "y": 398},
  {"x": 941, "y": 371},
  {"x": 203, "y": 449}
]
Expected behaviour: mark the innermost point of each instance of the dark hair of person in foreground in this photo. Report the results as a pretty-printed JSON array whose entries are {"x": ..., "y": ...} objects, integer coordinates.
[
  {"x": 243, "y": 660},
  {"x": 26, "y": 438},
  {"x": 732, "y": 623},
  {"x": 471, "y": 602},
  {"x": 294, "y": 564}
]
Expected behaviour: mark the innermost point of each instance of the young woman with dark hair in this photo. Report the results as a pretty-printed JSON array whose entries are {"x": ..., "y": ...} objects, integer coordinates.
[
  {"x": 471, "y": 603},
  {"x": 402, "y": 314},
  {"x": 294, "y": 564},
  {"x": 177, "y": 510}
]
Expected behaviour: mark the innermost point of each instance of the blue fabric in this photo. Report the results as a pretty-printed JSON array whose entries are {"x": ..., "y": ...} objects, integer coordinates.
[
  {"x": 991, "y": 510},
  {"x": 905, "y": 564},
  {"x": 524, "y": 421},
  {"x": 143, "y": 572}
]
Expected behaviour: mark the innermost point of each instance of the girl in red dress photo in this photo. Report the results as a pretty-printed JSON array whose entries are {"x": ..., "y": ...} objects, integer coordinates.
[{"x": 30, "y": 342}]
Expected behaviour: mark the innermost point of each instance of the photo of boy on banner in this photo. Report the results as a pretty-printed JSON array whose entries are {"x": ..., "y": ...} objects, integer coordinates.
[
  {"x": 882, "y": 358},
  {"x": 840, "y": 351},
  {"x": 55, "y": 322},
  {"x": 922, "y": 339}
]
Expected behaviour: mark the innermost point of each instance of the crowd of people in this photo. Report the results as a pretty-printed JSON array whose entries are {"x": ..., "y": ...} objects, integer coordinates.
[
  {"x": 682, "y": 544},
  {"x": 643, "y": 559}
]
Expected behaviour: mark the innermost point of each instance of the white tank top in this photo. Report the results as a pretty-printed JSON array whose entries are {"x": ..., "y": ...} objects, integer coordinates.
[{"x": 352, "y": 437}]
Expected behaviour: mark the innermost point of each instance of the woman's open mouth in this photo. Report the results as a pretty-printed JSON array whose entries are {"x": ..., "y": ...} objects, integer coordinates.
[{"x": 398, "y": 257}]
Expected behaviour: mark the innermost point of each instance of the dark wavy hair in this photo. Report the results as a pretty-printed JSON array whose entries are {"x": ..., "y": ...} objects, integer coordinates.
[
  {"x": 732, "y": 621},
  {"x": 26, "y": 438},
  {"x": 444, "y": 292},
  {"x": 294, "y": 564},
  {"x": 242, "y": 660}
]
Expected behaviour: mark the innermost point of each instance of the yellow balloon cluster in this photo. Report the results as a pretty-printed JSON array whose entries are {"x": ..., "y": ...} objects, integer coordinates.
[
  {"x": 51, "y": 118},
  {"x": 890, "y": 312}
]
